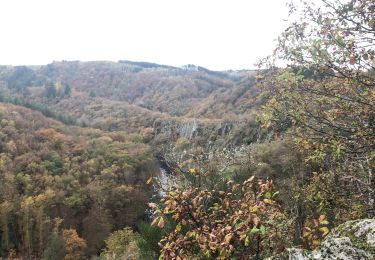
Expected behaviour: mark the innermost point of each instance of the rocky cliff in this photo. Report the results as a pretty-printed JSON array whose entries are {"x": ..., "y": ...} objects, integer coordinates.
[{"x": 350, "y": 241}]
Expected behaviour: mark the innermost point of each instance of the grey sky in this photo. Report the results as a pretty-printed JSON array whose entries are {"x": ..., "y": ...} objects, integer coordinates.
[{"x": 217, "y": 34}]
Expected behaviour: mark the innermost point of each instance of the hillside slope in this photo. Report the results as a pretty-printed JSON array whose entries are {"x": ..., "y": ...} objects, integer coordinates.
[
  {"x": 139, "y": 96},
  {"x": 93, "y": 181},
  {"x": 187, "y": 91}
]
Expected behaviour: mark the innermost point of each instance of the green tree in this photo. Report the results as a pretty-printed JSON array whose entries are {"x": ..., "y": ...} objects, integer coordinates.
[
  {"x": 148, "y": 242},
  {"x": 55, "y": 248},
  {"x": 121, "y": 244}
]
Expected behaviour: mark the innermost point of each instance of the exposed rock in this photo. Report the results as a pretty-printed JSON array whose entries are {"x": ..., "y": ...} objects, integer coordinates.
[
  {"x": 350, "y": 241},
  {"x": 190, "y": 128},
  {"x": 233, "y": 132}
]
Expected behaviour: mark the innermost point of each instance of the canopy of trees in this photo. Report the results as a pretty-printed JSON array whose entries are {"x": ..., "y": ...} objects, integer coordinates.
[{"x": 66, "y": 185}]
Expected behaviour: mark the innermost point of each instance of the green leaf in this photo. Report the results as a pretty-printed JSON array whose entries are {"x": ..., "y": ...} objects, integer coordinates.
[
  {"x": 263, "y": 230},
  {"x": 254, "y": 231},
  {"x": 324, "y": 231},
  {"x": 178, "y": 227},
  {"x": 247, "y": 241}
]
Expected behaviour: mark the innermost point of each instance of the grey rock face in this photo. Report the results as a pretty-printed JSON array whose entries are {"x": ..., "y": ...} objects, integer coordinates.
[
  {"x": 191, "y": 128},
  {"x": 350, "y": 241}
]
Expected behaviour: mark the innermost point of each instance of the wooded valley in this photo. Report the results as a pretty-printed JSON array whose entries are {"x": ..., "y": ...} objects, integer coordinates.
[{"x": 136, "y": 160}]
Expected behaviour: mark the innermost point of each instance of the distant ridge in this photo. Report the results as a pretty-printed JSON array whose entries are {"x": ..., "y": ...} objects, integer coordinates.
[{"x": 145, "y": 64}]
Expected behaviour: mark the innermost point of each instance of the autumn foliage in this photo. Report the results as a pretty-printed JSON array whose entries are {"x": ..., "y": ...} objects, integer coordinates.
[
  {"x": 256, "y": 163},
  {"x": 241, "y": 223},
  {"x": 93, "y": 181}
]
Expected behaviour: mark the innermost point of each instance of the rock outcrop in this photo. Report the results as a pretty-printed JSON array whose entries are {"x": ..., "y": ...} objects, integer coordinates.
[
  {"x": 191, "y": 128},
  {"x": 350, "y": 241},
  {"x": 225, "y": 131}
]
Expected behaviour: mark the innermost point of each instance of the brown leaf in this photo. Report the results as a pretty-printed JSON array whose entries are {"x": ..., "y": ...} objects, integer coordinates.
[
  {"x": 322, "y": 218},
  {"x": 149, "y": 181},
  {"x": 161, "y": 223},
  {"x": 152, "y": 205}
]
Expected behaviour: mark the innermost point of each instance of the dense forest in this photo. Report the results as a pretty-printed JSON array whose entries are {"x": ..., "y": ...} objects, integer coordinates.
[
  {"x": 136, "y": 160},
  {"x": 57, "y": 178}
]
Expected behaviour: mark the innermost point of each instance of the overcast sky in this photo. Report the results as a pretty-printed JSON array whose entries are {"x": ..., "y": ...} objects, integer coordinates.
[{"x": 217, "y": 34}]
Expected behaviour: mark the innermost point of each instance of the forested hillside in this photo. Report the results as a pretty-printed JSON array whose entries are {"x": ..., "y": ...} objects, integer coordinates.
[
  {"x": 57, "y": 180},
  {"x": 169, "y": 90},
  {"x": 107, "y": 116},
  {"x": 136, "y": 160}
]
